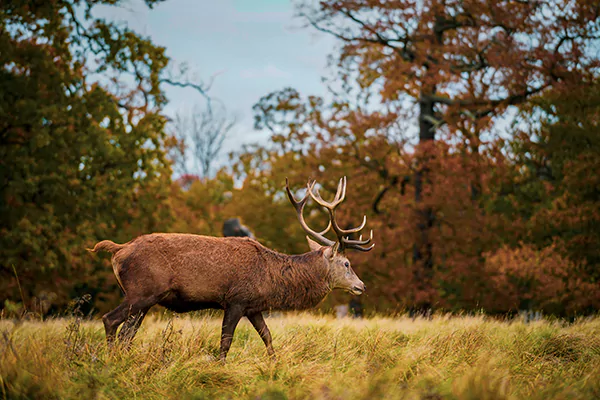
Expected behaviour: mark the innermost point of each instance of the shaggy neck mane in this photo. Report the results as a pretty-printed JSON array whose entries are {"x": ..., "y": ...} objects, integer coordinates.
[{"x": 298, "y": 281}]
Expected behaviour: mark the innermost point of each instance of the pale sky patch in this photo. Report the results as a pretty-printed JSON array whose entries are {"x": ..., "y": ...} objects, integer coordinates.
[
  {"x": 268, "y": 71},
  {"x": 254, "y": 46}
]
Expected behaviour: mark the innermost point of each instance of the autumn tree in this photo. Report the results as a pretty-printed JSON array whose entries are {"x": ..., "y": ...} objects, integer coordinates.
[
  {"x": 501, "y": 259},
  {"x": 324, "y": 140},
  {"x": 201, "y": 206},
  {"x": 553, "y": 186},
  {"x": 82, "y": 154},
  {"x": 460, "y": 63}
]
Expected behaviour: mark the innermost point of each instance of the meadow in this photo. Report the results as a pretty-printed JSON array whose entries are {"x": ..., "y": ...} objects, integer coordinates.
[{"x": 318, "y": 357}]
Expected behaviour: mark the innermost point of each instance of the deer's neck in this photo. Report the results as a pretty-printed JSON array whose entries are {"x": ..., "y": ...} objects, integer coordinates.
[{"x": 300, "y": 281}]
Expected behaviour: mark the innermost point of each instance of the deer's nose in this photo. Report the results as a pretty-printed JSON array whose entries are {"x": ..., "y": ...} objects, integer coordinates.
[{"x": 360, "y": 287}]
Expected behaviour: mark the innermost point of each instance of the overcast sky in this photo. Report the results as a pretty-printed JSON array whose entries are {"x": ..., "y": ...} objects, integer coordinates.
[{"x": 255, "y": 47}]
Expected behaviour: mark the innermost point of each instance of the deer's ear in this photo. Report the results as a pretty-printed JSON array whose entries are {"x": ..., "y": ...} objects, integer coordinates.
[
  {"x": 314, "y": 246},
  {"x": 335, "y": 248},
  {"x": 330, "y": 252}
]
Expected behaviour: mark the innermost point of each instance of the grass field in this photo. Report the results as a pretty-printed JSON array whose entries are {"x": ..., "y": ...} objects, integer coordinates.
[{"x": 318, "y": 357}]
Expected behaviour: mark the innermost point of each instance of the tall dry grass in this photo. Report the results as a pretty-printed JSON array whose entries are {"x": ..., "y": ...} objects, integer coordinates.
[{"x": 318, "y": 357}]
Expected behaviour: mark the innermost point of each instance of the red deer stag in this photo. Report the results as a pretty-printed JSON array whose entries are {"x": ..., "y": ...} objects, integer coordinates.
[{"x": 184, "y": 272}]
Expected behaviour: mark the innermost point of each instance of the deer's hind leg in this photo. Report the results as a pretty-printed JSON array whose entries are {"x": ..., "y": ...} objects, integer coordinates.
[
  {"x": 131, "y": 326},
  {"x": 113, "y": 319},
  {"x": 132, "y": 311},
  {"x": 231, "y": 318}
]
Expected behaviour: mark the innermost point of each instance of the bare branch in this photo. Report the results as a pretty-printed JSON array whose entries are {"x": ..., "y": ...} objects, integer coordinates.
[
  {"x": 403, "y": 52},
  {"x": 203, "y": 132}
]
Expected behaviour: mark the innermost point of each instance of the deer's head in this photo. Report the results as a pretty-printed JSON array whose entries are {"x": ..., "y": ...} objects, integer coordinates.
[{"x": 340, "y": 270}]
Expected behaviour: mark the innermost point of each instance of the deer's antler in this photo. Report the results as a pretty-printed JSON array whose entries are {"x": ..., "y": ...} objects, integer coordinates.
[
  {"x": 299, "y": 206},
  {"x": 342, "y": 234}
]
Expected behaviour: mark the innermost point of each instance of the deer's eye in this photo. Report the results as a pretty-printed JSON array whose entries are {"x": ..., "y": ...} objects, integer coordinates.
[{"x": 347, "y": 264}]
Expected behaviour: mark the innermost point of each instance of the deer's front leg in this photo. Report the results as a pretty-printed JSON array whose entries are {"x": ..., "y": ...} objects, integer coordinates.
[
  {"x": 232, "y": 316},
  {"x": 258, "y": 322}
]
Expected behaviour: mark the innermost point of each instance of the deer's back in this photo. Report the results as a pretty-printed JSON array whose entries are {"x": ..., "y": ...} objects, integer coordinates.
[{"x": 192, "y": 269}]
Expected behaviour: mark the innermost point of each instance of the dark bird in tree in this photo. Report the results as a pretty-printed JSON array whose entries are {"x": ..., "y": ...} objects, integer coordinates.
[
  {"x": 233, "y": 227},
  {"x": 184, "y": 272}
]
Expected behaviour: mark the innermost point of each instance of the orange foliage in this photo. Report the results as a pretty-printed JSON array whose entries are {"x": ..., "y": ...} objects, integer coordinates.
[
  {"x": 475, "y": 213},
  {"x": 527, "y": 278}
]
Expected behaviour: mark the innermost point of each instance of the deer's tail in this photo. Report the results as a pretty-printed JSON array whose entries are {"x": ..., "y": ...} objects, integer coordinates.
[{"x": 107, "y": 245}]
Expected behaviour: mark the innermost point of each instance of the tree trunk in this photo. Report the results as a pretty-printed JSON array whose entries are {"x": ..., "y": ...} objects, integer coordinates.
[{"x": 422, "y": 251}]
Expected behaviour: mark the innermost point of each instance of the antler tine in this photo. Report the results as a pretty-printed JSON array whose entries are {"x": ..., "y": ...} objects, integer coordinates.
[
  {"x": 359, "y": 228},
  {"x": 360, "y": 248},
  {"x": 299, "y": 206},
  {"x": 326, "y": 229},
  {"x": 341, "y": 190},
  {"x": 339, "y": 196},
  {"x": 358, "y": 244},
  {"x": 310, "y": 185},
  {"x": 360, "y": 241}
]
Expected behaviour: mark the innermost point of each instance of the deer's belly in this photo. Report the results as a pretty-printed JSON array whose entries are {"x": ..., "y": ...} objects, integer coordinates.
[{"x": 180, "y": 303}]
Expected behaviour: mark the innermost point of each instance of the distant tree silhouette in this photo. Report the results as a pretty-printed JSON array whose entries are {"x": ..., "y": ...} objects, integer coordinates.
[{"x": 201, "y": 134}]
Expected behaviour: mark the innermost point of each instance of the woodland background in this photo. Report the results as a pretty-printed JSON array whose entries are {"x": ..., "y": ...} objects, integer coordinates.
[{"x": 469, "y": 131}]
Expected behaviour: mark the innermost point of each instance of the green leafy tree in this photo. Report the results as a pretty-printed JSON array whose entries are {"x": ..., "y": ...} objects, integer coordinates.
[{"x": 82, "y": 145}]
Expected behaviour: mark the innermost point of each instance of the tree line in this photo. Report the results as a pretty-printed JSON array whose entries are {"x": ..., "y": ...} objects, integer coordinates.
[{"x": 468, "y": 130}]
